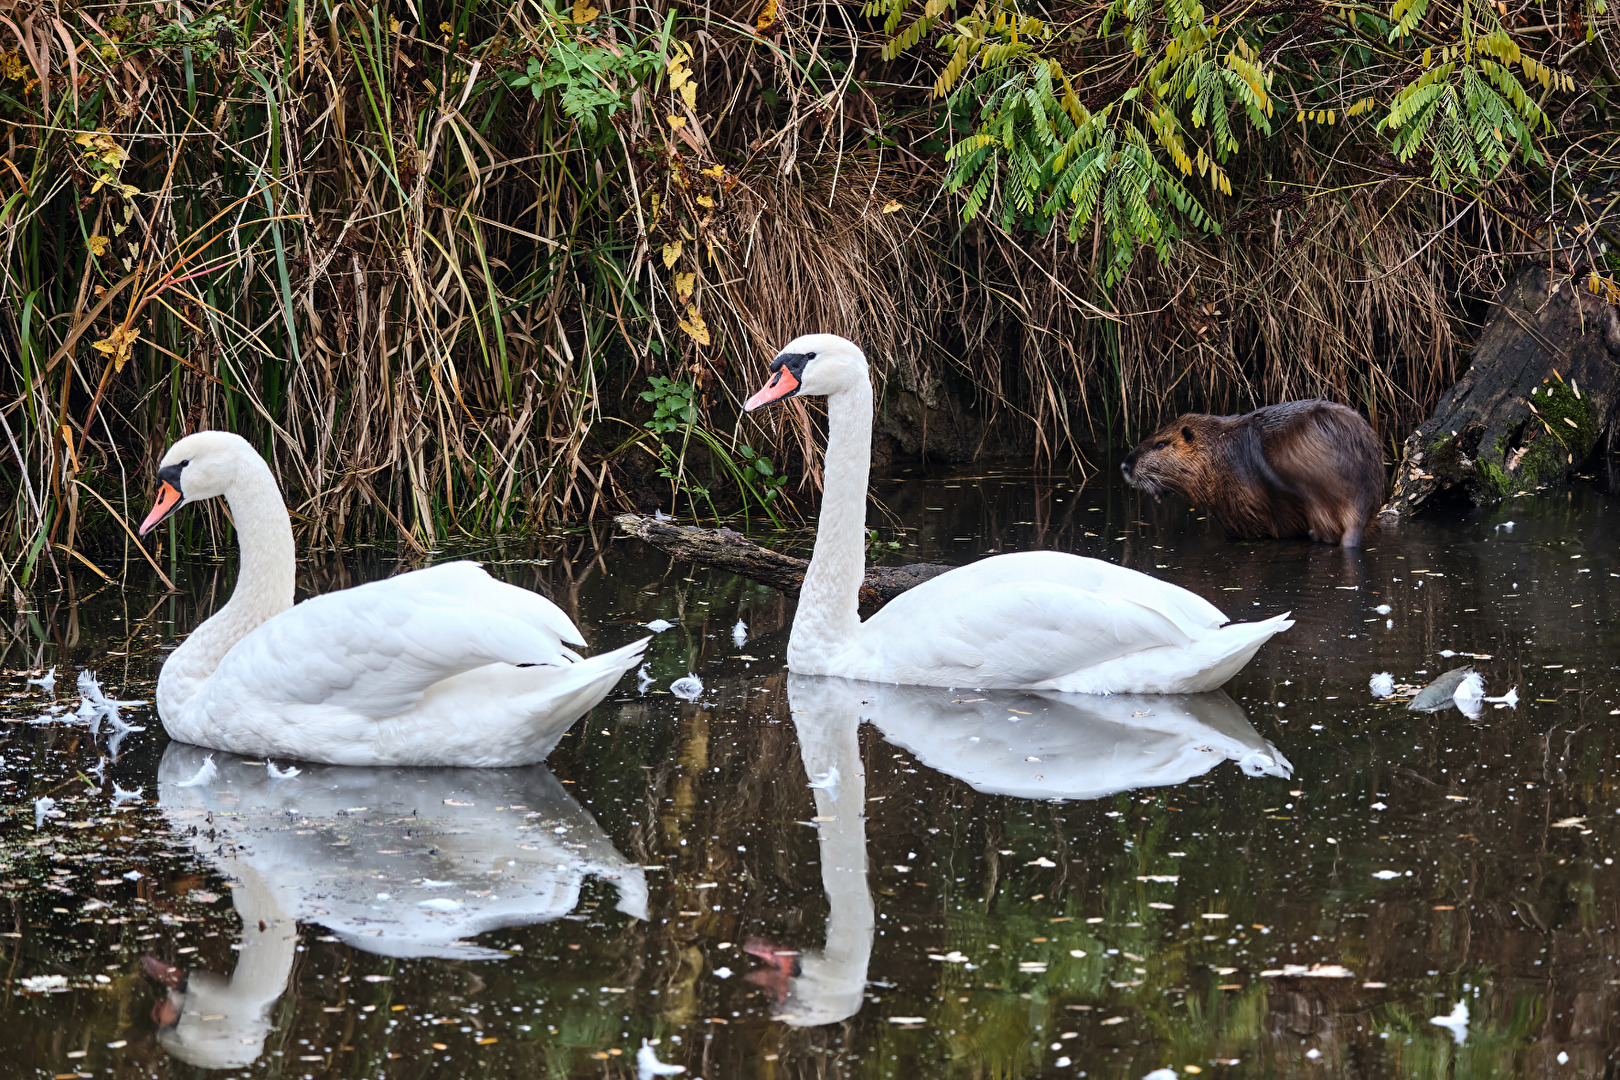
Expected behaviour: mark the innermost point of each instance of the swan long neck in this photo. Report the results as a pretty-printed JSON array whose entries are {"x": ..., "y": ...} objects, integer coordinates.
[
  {"x": 264, "y": 582},
  {"x": 829, "y": 602}
]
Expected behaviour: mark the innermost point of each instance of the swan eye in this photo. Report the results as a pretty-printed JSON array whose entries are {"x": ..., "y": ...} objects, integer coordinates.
[{"x": 809, "y": 356}]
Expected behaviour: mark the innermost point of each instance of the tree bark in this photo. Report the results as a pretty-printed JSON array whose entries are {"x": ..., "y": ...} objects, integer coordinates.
[
  {"x": 1540, "y": 393},
  {"x": 726, "y": 549}
]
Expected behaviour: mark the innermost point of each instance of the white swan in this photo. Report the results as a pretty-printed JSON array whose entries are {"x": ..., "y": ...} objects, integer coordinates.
[
  {"x": 443, "y": 666},
  {"x": 1036, "y": 620}
]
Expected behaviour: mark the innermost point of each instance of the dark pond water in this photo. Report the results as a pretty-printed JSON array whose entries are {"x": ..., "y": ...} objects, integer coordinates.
[{"x": 795, "y": 877}]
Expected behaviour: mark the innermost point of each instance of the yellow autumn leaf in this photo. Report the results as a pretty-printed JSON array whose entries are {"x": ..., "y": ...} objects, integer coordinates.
[
  {"x": 695, "y": 327},
  {"x": 584, "y": 12},
  {"x": 688, "y": 94},
  {"x": 98, "y": 245},
  {"x": 393, "y": 25},
  {"x": 447, "y": 28},
  {"x": 684, "y": 286},
  {"x": 716, "y": 173},
  {"x": 118, "y": 345},
  {"x": 891, "y": 206},
  {"x": 767, "y": 16},
  {"x": 672, "y": 252},
  {"x": 704, "y": 200},
  {"x": 677, "y": 122}
]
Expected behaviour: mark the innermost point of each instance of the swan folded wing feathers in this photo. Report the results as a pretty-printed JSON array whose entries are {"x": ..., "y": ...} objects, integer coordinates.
[
  {"x": 470, "y": 585},
  {"x": 381, "y": 646},
  {"x": 1018, "y": 633}
]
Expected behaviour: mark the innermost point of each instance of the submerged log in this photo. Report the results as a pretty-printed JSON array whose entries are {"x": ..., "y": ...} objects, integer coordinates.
[
  {"x": 726, "y": 549},
  {"x": 1541, "y": 391}
]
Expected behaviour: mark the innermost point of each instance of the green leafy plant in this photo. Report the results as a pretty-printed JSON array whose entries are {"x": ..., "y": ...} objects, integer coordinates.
[
  {"x": 673, "y": 407},
  {"x": 675, "y": 410},
  {"x": 592, "y": 79}
]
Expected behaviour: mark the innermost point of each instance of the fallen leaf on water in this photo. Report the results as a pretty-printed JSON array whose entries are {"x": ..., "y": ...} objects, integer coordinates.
[
  {"x": 1568, "y": 823},
  {"x": 1042, "y": 861}
]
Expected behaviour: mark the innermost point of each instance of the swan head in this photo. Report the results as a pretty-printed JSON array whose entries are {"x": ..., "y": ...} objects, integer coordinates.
[
  {"x": 810, "y": 365},
  {"x": 199, "y": 466}
]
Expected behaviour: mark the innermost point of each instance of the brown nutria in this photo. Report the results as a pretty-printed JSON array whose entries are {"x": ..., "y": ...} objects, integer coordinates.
[{"x": 1302, "y": 467}]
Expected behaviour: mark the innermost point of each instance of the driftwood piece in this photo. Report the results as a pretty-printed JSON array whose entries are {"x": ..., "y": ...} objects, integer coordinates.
[
  {"x": 726, "y": 549},
  {"x": 1541, "y": 391}
]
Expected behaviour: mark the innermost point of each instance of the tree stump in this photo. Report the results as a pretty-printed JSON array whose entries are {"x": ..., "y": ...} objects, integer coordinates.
[
  {"x": 1532, "y": 406},
  {"x": 726, "y": 549}
]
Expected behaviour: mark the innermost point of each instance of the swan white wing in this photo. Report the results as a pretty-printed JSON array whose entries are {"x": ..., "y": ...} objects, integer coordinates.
[
  {"x": 979, "y": 582},
  {"x": 375, "y": 649},
  {"x": 1019, "y": 634}
]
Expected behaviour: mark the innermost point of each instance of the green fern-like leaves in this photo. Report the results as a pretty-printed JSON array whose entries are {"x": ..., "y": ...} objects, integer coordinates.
[{"x": 1470, "y": 116}]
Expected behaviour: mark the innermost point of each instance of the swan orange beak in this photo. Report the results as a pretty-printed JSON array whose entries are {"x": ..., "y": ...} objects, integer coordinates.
[
  {"x": 168, "y": 501},
  {"x": 782, "y": 383}
]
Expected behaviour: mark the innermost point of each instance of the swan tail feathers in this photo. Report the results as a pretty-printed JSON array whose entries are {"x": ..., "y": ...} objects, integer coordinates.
[
  {"x": 581, "y": 685},
  {"x": 1204, "y": 665}
]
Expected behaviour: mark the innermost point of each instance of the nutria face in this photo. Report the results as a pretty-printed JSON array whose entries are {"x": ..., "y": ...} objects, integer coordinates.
[{"x": 1167, "y": 460}]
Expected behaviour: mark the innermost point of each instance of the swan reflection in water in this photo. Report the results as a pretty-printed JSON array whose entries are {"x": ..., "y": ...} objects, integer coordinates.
[
  {"x": 1026, "y": 744},
  {"x": 394, "y": 861}
]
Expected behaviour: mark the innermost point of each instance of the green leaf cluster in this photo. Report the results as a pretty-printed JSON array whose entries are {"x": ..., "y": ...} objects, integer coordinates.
[
  {"x": 591, "y": 81},
  {"x": 1170, "y": 91}
]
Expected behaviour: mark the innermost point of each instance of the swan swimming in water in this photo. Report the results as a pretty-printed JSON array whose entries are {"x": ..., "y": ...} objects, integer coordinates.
[
  {"x": 443, "y": 666},
  {"x": 1034, "y": 620}
]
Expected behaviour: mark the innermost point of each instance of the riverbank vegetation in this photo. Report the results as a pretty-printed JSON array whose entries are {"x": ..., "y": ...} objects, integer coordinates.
[{"x": 465, "y": 267}]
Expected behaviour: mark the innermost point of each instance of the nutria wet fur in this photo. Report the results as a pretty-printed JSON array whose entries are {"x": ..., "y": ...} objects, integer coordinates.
[{"x": 1300, "y": 468}]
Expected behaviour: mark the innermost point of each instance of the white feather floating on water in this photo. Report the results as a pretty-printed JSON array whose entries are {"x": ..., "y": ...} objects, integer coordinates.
[
  {"x": 658, "y": 626},
  {"x": 1382, "y": 685},
  {"x": 644, "y": 679},
  {"x": 42, "y": 806},
  {"x": 827, "y": 781},
  {"x": 281, "y": 774},
  {"x": 687, "y": 688},
  {"x": 120, "y": 795},
  {"x": 739, "y": 634},
  {"x": 1469, "y": 695},
  {"x": 1456, "y": 1022},
  {"x": 204, "y": 774},
  {"x": 100, "y": 770},
  {"x": 46, "y": 682},
  {"x": 647, "y": 1064},
  {"x": 1509, "y": 699}
]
